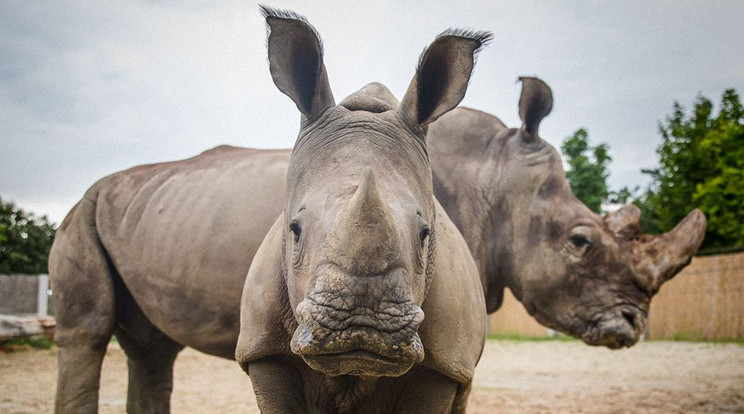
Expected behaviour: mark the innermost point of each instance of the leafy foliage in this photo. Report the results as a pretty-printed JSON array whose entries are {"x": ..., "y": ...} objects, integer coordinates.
[
  {"x": 701, "y": 165},
  {"x": 25, "y": 240},
  {"x": 587, "y": 170}
]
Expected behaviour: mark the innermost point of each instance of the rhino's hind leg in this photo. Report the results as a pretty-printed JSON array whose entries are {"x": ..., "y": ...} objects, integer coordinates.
[
  {"x": 150, "y": 358},
  {"x": 84, "y": 309},
  {"x": 78, "y": 380}
]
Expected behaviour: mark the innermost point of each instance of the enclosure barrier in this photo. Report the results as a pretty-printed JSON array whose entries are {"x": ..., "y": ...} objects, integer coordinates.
[
  {"x": 704, "y": 301},
  {"x": 24, "y": 307},
  {"x": 24, "y": 295}
]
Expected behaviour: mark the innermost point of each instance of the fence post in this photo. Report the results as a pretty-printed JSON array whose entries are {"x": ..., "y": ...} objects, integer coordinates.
[{"x": 42, "y": 304}]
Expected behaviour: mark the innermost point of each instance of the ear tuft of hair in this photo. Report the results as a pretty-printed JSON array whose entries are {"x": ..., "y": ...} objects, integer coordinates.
[
  {"x": 267, "y": 11},
  {"x": 271, "y": 12},
  {"x": 482, "y": 37}
]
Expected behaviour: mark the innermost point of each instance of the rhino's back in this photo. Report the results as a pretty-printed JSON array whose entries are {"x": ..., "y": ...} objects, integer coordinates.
[
  {"x": 182, "y": 236},
  {"x": 458, "y": 144},
  {"x": 463, "y": 131}
]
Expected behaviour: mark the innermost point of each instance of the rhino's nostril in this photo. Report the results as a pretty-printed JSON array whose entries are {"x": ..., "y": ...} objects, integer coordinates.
[{"x": 630, "y": 317}]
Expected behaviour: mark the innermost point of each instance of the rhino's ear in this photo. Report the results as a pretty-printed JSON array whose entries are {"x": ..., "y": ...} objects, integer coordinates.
[
  {"x": 454, "y": 329},
  {"x": 535, "y": 104},
  {"x": 296, "y": 61},
  {"x": 264, "y": 308},
  {"x": 442, "y": 76}
]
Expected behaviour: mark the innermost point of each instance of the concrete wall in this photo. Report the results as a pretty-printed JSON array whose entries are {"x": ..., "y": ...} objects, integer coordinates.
[{"x": 21, "y": 294}]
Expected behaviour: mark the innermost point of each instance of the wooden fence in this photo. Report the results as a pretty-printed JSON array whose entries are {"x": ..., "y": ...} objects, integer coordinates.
[{"x": 704, "y": 301}]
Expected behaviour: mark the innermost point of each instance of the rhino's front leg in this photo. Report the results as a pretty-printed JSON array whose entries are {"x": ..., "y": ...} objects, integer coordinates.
[
  {"x": 427, "y": 391},
  {"x": 150, "y": 365},
  {"x": 277, "y": 385}
]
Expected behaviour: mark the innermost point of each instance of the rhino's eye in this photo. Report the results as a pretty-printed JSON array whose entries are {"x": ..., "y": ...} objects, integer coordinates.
[
  {"x": 424, "y": 230},
  {"x": 579, "y": 240},
  {"x": 295, "y": 228}
]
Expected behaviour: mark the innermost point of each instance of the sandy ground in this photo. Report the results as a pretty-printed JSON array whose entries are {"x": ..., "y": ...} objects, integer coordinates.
[{"x": 512, "y": 377}]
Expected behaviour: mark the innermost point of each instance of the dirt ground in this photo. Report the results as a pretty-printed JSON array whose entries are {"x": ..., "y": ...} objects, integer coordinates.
[{"x": 512, "y": 377}]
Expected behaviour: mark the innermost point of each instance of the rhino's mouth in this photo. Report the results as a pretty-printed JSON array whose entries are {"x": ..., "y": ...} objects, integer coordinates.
[
  {"x": 615, "y": 327},
  {"x": 618, "y": 327},
  {"x": 357, "y": 351},
  {"x": 355, "y": 355},
  {"x": 364, "y": 326},
  {"x": 358, "y": 363},
  {"x": 358, "y": 340}
]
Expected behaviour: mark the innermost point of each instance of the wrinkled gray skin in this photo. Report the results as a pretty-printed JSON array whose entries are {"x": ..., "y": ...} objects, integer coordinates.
[
  {"x": 158, "y": 254},
  {"x": 574, "y": 271},
  {"x": 363, "y": 296}
]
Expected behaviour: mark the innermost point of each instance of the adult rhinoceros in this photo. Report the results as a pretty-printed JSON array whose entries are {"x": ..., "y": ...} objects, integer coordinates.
[
  {"x": 577, "y": 272},
  {"x": 194, "y": 226},
  {"x": 332, "y": 312}
]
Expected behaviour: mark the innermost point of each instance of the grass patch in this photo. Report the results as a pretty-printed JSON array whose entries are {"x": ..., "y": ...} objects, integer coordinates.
[
  {"x": 683, "y": 336},
  {"x": 25, "y": 343},
  {"x": 513, "y": 336}
]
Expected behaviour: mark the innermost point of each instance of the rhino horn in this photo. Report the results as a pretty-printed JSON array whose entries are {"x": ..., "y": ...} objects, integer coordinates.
[
  {"x": 624, "y": 222},
  {"x": 366, "y": 198},
  {"x": 665, "y": 255},
  {"x": 535, "y": 104},
  {"x": 367, "y": 224}
]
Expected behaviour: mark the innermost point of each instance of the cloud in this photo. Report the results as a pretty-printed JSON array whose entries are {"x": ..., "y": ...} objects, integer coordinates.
[{"x": 93, "y": 88}]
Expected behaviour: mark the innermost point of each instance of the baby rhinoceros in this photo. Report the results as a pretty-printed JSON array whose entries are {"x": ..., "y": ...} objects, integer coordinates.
[{"x": 363, "y": 297}]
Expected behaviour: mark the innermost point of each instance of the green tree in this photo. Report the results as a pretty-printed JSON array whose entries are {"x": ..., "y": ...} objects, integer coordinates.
[
  {"x": 701, "y": 165},
  {"x": 587, "y": 169},
  {"x": 649, "y": 218},
  {"x": 25, "y": 240}
]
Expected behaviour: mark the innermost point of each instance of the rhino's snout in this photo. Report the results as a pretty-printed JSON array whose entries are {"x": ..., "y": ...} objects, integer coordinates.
[
  {"x": 621, "y": 328},
  {"x": 352, "y": 334}
]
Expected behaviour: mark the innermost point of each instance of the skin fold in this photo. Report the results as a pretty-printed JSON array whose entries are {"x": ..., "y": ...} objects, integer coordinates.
[
  {"x": 158, "y": 254},
  {"x": 362, "y": 297}
]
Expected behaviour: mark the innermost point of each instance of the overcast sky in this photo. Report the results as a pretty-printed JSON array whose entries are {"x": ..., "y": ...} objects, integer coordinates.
[{"x": 89, "y": 88}]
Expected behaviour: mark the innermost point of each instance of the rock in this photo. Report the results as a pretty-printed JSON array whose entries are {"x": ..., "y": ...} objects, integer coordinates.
[{"x": 12, "y": 326}]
